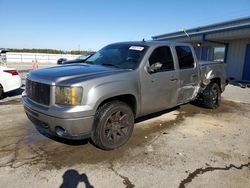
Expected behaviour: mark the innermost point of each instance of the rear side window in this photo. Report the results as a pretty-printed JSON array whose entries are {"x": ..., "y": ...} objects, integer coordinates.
[
  {"x": 162, "y": 59},
  {"x": 185, "y": 57}
]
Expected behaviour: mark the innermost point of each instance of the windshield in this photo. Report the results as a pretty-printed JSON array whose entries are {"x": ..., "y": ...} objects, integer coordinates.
[{"x": 123, "y": 56}]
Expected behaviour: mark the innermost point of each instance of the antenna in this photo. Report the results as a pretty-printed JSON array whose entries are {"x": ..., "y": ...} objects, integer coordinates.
[{"x": 184, "y": 30}]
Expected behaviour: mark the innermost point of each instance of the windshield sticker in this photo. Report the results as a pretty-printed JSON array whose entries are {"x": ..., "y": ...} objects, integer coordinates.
[{"x": 138, "y": 48}]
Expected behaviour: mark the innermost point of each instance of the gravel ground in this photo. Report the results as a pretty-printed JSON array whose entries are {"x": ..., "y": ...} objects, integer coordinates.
[{"x": 188, "y": 146}]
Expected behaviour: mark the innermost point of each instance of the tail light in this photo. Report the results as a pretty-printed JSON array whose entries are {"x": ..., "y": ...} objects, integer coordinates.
[{"x": 12, "y": 72}]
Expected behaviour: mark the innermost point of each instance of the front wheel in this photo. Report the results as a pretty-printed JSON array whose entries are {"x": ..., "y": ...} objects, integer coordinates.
[
  {"x": 212, "y": 96},
  {"x": 114, "y": 123}
]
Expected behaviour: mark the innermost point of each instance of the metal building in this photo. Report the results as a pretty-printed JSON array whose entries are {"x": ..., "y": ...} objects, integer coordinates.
[{"x": 227, "y": 41}]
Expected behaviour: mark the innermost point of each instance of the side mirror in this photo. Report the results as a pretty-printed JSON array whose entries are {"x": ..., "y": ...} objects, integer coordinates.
[
  {"x": 154, "y": 67},
  {"x": 150, "y": 69}
]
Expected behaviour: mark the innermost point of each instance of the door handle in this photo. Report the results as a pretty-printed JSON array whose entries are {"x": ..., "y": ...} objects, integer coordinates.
[
  {"x": 153, "y": 79},
  {"x": 173, "y": 79},
  {"x": 194, "y": 75}
]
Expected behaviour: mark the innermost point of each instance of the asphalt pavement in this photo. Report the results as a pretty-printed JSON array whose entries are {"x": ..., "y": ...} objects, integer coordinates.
[{"x": 188, "y": 146}]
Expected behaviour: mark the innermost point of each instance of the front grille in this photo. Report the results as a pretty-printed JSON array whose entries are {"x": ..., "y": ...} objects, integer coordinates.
[{"x": 38, "y": 92}]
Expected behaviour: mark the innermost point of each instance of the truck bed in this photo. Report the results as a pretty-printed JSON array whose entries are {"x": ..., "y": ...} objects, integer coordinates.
[{"x": 212, "y": 69}]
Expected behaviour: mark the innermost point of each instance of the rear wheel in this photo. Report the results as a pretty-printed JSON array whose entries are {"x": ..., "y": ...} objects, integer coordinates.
[
  {"x": 114, "y": 123},
  {"x": 212, "y": 96}
]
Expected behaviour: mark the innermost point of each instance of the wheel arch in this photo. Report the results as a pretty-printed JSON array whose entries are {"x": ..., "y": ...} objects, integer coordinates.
[
  {"x": 2, "y": 87},
  {"x": 129, "y": 99},
  {"x": 1, "y": 91},
  {"x": 216, "y": 80}
]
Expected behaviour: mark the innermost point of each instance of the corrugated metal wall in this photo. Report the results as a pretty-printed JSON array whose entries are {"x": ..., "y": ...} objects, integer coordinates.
[
  {"x": 229, "y": 35},
  {"x": 236, "y": 38},
  {"x": 236, "y": 57}
]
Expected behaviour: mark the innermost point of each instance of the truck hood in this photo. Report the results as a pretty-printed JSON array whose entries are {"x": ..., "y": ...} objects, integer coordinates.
[{"x": 54, "y": 75}]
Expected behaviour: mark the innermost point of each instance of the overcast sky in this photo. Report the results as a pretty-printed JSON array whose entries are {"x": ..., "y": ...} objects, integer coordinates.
[{"x": 68, "y": 25}]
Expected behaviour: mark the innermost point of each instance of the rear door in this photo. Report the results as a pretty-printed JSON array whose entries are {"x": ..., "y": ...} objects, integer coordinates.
[
  {"x": 159, "y": 87},
  {"x": 188, "y": 74}
]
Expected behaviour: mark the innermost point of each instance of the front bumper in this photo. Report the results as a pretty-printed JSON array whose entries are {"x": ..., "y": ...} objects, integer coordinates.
[{"x": 69, "y": 128}]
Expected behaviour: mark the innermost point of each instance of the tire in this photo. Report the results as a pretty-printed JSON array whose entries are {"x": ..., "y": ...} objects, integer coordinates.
[
  {"x": 113, "y": 125},
  {"x": 1, "y": 92},
  {"x": 212, "y": 96}
]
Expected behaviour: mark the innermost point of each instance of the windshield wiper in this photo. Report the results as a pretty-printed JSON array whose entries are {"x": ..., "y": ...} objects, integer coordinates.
[
  {"x": 88, "y": 62},
  {"x": 110, "y": 65}
]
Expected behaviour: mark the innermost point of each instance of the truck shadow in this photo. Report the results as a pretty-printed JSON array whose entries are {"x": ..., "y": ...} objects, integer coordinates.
[
  {"x": 72, "y": 178},
  {"x": 155, "y": 115}
]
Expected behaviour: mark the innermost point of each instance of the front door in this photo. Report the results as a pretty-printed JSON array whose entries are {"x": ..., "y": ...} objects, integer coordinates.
[
  {"x": 246, "y": 70},
  {"x": 159, "y": 82}
]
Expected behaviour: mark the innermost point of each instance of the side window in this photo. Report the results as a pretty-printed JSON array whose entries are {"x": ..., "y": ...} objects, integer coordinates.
[
  {"x": 161, "y": 59},
  {"x": 185, "y": 57}
]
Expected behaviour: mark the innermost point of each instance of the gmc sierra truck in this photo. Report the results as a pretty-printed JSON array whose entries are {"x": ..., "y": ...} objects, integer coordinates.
[{"x": 101, "y": 98}]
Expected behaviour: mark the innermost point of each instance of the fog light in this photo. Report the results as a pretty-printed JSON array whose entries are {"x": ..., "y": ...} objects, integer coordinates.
[{"x": 60, "y": 131}]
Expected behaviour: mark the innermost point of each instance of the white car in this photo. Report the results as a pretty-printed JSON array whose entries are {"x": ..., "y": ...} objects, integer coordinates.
[{"x": 9, "y": 80}]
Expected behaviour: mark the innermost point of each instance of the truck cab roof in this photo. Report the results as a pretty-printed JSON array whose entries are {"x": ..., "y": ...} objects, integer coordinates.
[{"x": 152, "y": 43}]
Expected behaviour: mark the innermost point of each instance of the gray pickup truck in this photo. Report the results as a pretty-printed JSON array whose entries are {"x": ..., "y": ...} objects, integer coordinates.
[{"x": 100, "y": 98}]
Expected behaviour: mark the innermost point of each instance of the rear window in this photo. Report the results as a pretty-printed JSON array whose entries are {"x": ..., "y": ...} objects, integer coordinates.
[{"x": 185, "y": 57}]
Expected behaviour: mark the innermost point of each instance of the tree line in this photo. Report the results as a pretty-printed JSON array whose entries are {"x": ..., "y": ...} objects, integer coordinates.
[{"x": 50, "y": 51}]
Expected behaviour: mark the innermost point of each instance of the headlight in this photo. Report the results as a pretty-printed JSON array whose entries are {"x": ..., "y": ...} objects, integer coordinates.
[{"x": 68, "y": 95}]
